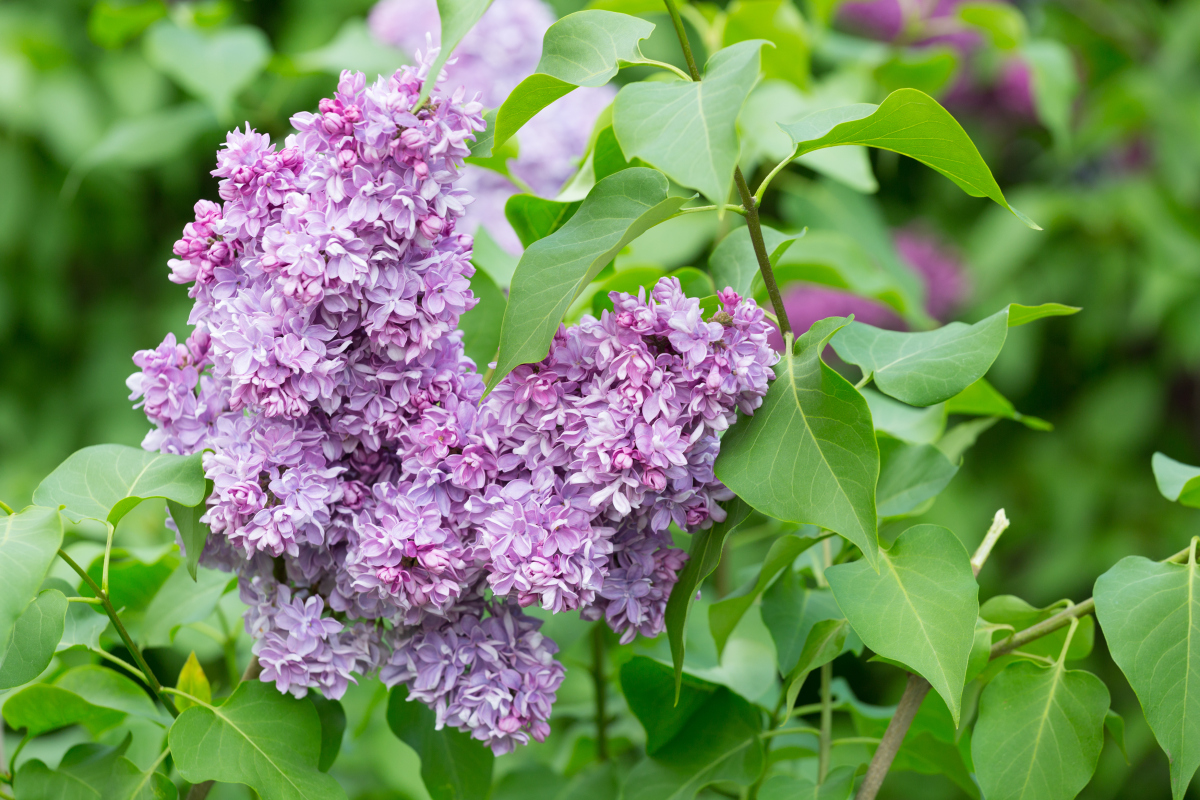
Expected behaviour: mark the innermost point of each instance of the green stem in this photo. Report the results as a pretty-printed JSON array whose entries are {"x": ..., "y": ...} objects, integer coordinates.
[
  {"x": 669, "y": 67},
  {"x": 92, "y": 601},
  {"x": 124, "y": 634},
  {"x": 748, "y": 203},
  {"x": 112, "y": 530},
  {"x": 826, "y": 722},
  {"x": 781, "y": 731},
  {"x": 762, "y": 187},
  {"x": 600, "y": 681},
  {"x": 130, "y": 668},
  {"x": 865, "y": 380},
  {"x": 6, "y": 508},
  {"x": 697, "y": 209},
  {"x": 677, "y": 21}
]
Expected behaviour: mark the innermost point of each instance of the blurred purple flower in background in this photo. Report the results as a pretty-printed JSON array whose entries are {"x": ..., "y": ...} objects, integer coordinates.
[{"x": 501, "y": 50}]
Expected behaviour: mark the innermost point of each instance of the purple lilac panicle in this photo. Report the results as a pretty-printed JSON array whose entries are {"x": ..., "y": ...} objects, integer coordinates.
[
  {"x": 366, "y": 498},
  {"x": 491, "y": 60}
]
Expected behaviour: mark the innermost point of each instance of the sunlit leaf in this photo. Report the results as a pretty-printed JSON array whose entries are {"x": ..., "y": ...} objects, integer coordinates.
[
  {"x": 106, "y": 481},
  {"x": 1150, "y": 615},
  {"x": 29, "y": 540},
  {"x": 35, "y": 639},
  {"x": 919, "y": 610},
  {"x": 688, "y": 129},
  {"x": 1177, "y": 481},
  {"x": 908, "y": 122},
  {"x": 193, "y": 682},
  {"x": 92, "y": 696},
  {"x": 457, "y": 18},
  {"x": 93, "y": 772},
  {"x": 260, "y": 737},
  {"x": 809, "y": 453}
]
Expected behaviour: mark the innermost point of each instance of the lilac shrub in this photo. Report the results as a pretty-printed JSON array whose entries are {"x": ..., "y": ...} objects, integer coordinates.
[
  {"x": 380, "y": 514},
  {"x": 502, "y": 49}
]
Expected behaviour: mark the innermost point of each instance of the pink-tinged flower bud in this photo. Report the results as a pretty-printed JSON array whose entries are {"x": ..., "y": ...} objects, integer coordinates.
[
  {"x": 332, "y": 122},
  {"x": 509, "y": 724},
  {"x": 347, "y": 159},
  {"x": 353, "y": 494},
  {"x": 220, "y": 254},
  {"x": 352, "y": 114},
  {"x": 421, "y": 169},
  {"x": 431, "y": 226},
  {"x": 207, "y": 212},
  {"x": 623, "y": 459},
  {"x": 696, "y": 516},
  {"x": 328, "y": 104},
  {"x": 655, "y": 479},
  {"x": 413, "y": 139},
  {"x": 242, "y": 174}
]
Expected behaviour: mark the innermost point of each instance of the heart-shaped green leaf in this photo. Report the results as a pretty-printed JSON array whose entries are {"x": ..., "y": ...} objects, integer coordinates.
[
  {"x": 790, "y": 610},
  {"x": 181, "y": 601},
  {"x": 1039, "y": 733},
  {"x": 688, "y": 129},
  {"x": 214, "y": 66},
  {"x": 809, "y": 453},
  {"x": 554, "y": 270},
  {"x": 1150, "y": 614},
  {"x": 93, "y": 771},
  {"x": 192, "y": 681},
  {"x": 29, "y": 541},
  {"x": 581, "y": 49},
  {"x": 707, "y": 546},
  {"x": 824, "y": 643},
  {"x": 107, "y": 481},
  {"x": 908, "y": 122},
  {"x": 919, "y": 610},
  {"x": 92, "y": 696},
  {"x": 267, "y": 740},
  {"x": 453, "y": 765},
  {"x": 929, "y": 367},
  {"x": 1177, "y": 481},
  {"x": 34, "y": 639}
]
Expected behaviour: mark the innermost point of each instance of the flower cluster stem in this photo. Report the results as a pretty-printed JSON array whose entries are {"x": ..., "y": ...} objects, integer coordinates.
[{"x": 134, "y": 650}]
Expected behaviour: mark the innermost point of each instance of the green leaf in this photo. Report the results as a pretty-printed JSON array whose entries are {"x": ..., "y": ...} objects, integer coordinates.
[
  {"x": 581, "y": 49},
  {"x": 1054, "y": 84},
  {"x": 453, "y": 765},
  {"x": 1177, "y": 481},
  {"x": 214, "y": 66},
  {"x": 809, "y": 453},
  {"x": 709, "y": 736},
  {"x": 353, "y": 47},
  {"x": 533, "y": 218},
  {"x": 982, "y": 400},
  {"x": 826, "y": 641},
  {"x": 84, "y": 622},
  {"x": 1039, "y": 733},
  {"x": 909, "y": 475},
  {"x": 919, "y": 610},
  {"x": 689, "y": 129},
  {"x": 724, "y": 616},
  {"x": 926, "y": 69},
  {"x": 95, "y": 697},
  {"x": 1114, "y": 723},
  {"x": 490, "y": 257},
  {"x": 333, "y": 728},
  {"x": 457, "y": 18},
  {"x": 627, "y": 280},
  {"x": 29, "y": 540},
  {"x": 555, "y": 270},
  {"x": 900, "y": 421},
  {"x": 192, "y": 532},
  {"x": 838, "y": 785},
  {"x": 908, "y": 122},
  {"x": 266, "y": 740},
  {"x": 707, "y": 546},
  {"x": 1150, "y": 614},
  {"x": 481, "y": 325},
  {"x": 733, "y": 263},
  {"x": 932, "y": 366},
  {"x": 93, "y": 772},
  {"x": 107, "y": 481},
  {"x": 790, "y": 610},
  {"x": 194, "y": 682},
  {"x": 111, "y": 25},
  {"x": 34, "y": 639},
  {"x": 1003, "y": 24},
  {"x": 779, "y": 22},
  {"x": 182, "y": 601},
  {"x": 1017, "y": 615}
]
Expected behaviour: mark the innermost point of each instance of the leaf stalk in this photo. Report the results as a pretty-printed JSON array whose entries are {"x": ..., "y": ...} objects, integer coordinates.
[{"x": 134, "y": 650}]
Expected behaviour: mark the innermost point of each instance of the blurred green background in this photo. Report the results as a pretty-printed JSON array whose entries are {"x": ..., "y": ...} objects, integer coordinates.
[{"x": 107, "y": 134}]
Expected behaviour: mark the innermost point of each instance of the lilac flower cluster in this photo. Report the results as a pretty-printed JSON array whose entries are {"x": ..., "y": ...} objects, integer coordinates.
[
  {"x": 492, "y": 59},
  {"x": 378, "y": 513}
]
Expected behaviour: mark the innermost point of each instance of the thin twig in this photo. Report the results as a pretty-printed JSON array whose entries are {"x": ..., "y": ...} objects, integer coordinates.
[
  {"x": 155, "y": 686},
  {"x": 914, "y": 694},
  {"x": 677, "y": 21},
  {"x": 760, "y": 252},
  {"x": 6, "y": 508},
  {"x": 999, "y": 526}
]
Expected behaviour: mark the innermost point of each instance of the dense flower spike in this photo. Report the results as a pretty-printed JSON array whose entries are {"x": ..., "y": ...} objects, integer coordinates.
[
  {"x": 365, "y": 496},
  {"x": 492, "y": 59}
]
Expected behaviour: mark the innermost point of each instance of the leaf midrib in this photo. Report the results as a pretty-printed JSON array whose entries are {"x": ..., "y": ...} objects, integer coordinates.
[
  {"x": 217, "y": 713},
  {"x": 908, "y": 599}
]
